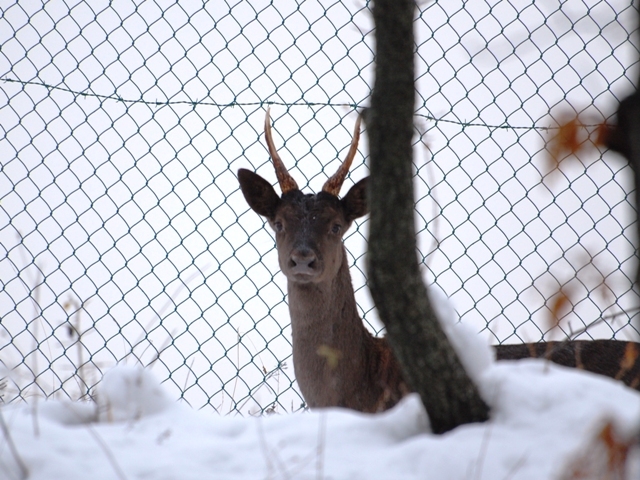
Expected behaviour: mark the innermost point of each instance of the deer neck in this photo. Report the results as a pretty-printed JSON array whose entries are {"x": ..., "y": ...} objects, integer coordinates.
[{"x": 330, "y": 342}]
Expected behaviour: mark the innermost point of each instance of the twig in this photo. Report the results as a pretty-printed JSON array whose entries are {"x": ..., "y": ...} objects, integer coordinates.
[
  {"x": 256, "y": 389},
  {"x": 482, "y": 454},
  {"x": 265, "y": 449},
  {"x": 571, "y": 336},
  {"x": 104, "y": 447},
  {"x": 75, "y": 327},
  {"x": 516, "y": 466},
  {"x": 320, "y": 448},
  {"x": 235, "y": 382},
  {"x": 24, "y": 471},
  {"x": 268, "y": 454},
  {"x": 190, "y": 370},
  {"x": 107, "y": 452},
  {"x": 159, "y": 351},
  {"x": 36, "y": 424}
]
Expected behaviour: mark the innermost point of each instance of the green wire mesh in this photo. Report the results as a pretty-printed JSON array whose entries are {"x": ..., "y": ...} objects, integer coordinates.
[{"x": 124, "y": 237}]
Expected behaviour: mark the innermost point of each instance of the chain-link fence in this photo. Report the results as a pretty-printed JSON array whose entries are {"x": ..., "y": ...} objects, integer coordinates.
[{"x": 124, "y": 235}]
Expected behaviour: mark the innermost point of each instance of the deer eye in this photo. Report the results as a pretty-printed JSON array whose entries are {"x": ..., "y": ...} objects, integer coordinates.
[
  {"x": 337, "y": 228},
  {"x": 277, "y": 226}
]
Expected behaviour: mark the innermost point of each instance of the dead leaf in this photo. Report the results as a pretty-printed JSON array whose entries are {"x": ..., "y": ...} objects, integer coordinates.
[
  {"x": 565, "y": 141},
  {"x": 560, "y": 303},
  {"x": 332, "y": 355},
  {"x": 603, "y": 458}
]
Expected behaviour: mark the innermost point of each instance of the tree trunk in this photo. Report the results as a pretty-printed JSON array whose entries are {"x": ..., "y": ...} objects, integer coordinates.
[{"x": 428, "y": 360}]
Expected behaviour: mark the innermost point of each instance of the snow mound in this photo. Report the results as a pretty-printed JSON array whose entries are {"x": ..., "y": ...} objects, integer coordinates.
[
  {"x": 475, "y": 354},
  {"x": 129, "y": 393},
  {"x": 66, "y": 412},
  {"x": 544, "y": 420}
]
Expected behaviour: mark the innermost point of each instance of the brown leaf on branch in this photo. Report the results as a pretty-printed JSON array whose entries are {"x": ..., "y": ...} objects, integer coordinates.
[
  {"x": 564, "y": 142},
  {"x": 572, "y": 136}
]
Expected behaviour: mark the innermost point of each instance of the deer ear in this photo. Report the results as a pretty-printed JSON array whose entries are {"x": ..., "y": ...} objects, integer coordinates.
[
  {"x": 258, "y": 193},
  {"x": 355, "y": 202}
]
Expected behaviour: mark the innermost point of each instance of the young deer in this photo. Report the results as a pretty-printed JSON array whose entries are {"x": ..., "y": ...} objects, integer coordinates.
[{"x": 337, "y": 361}]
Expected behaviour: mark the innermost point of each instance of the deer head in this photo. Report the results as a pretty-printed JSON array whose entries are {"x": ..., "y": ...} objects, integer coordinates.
[{"x": 308, "y": 227}]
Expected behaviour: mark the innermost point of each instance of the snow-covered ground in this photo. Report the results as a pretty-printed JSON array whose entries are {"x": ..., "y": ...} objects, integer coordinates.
[{"x": 545, "y": 424}]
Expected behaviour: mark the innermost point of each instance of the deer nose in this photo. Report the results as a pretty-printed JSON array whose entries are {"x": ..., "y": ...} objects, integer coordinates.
[{"x": 303, "y": 259}]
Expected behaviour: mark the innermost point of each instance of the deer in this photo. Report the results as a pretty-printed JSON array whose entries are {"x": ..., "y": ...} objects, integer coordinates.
[{"x": 337, "y": 361}]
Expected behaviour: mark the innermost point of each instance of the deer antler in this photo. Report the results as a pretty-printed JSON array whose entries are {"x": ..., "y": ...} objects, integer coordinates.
[
  {"x": 333, "y": 184},
  {"x": 286, "y": 181}
]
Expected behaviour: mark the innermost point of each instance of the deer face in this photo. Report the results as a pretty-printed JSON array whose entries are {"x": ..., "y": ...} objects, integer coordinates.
[
  {"x": 309, "y": 231},
  {"x": 308, "y": 228}
]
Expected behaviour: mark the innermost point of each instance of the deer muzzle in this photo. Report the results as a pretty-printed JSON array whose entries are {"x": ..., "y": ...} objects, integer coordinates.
[{"x": 303, "y": 264}]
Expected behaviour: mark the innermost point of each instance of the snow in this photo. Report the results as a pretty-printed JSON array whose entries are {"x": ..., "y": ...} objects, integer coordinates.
[
  {"x": 475, "y": 355},
  {"x": 547, "y": 422},
  {"x": 543, "y": 418}
]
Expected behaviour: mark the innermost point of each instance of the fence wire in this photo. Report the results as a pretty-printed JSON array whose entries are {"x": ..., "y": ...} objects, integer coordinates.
[{"x": 124, "y": 237}]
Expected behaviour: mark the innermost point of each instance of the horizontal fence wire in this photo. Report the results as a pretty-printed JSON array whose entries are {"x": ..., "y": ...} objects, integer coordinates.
[
  {"x": 124, "y": 236},
  {"x": 270, "y": 103}
]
